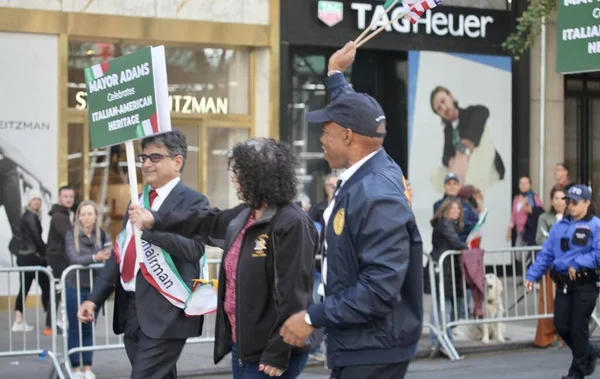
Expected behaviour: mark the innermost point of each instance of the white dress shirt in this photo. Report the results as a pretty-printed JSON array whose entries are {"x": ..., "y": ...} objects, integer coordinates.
[
  {"x": 162, "y": 194},
  {"x": 344, "y": 177}
]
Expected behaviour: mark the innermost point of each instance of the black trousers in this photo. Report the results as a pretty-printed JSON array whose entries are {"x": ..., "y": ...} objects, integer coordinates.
[
  {"x": 10, "y": 198},
  {"x": 26, "y": 280},
  {"x": 391, "y": 371},
  {"x": 150, "y": 358},
  {"x": 572, "y": 313}
]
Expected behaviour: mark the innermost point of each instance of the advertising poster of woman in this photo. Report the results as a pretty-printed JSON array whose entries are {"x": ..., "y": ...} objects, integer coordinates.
[{"x": 460, "y": 121}]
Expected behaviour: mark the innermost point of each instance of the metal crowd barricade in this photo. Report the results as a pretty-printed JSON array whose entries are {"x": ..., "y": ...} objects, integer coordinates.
[
  {"x": 110, "y": 341},
  {"x": 436, "y": 328},
  {"x": 523, "y": 307},
  {"x": 38, "y": 346}
]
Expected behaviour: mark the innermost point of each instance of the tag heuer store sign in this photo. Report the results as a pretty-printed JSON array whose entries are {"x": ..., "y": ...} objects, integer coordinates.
[
  {"x": 578, "y": 36},
  {"x": 331, "y": 12},
  {"x": 128, "y": 97}
]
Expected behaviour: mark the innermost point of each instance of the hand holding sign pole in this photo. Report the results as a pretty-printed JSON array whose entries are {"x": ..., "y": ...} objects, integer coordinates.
[{"x": 128, "y": 100}]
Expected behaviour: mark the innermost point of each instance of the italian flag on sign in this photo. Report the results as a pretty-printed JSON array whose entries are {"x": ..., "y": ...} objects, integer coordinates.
[
  {"x": 96, "y": 71},
  {"x": 147, "y": 127}
]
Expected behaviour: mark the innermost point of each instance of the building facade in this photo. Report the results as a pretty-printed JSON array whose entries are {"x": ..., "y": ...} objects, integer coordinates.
[
  {"x": 455, "y": 48},
  {"x": 223, "y": 74},
  {"x": 570, "y": 121}
]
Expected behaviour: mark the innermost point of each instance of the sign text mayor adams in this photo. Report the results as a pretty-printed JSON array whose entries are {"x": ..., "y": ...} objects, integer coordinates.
[
  {"x": 122, "y": 98},
  {"x": 578, "y": 36}
]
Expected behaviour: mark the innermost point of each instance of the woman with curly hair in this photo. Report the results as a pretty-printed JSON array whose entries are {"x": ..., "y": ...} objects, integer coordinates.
[{"x": 266, "y": 272}]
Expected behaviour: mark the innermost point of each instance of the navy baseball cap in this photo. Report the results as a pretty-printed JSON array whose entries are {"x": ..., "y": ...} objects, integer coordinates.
[
  {"x": 358, "y": 112},
  {"x": 451, "y": 176},
  {"x": 579, "y": 192}
]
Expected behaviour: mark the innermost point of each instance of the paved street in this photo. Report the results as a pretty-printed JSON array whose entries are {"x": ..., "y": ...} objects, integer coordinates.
[
  {"x": 196, "y": 358},
  {"x": 526, "y": 364}
]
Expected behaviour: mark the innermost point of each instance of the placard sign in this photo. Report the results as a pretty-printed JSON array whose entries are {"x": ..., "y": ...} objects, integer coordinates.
[
  {"x": 128, "y": 97},
  {"x": 578, "y": 36}
]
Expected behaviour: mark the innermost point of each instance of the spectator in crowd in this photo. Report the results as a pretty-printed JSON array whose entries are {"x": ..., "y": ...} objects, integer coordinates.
[
  {"x": 60, "y": 224},
  {"x": 316, "y": 214},
  {"x": 545, "y": 334},
  {"x": 267, "y": 268},
  {"x": 86, "y": 244},
  {"x": 316, "y": 211},
  {"x": 452, "y": 187},
  {"x": 447, "y": 224},
  {"x": 32, "y": 253},
  {"x": 473, "y": 196},
  {"x": 522, "y": 207},
  {"x": 561, "y": 177}
]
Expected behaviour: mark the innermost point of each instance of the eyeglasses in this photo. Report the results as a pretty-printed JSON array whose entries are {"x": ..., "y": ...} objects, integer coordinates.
[
  {"x": 154, "y": 158},
  {"x": 571, "y": 201}
]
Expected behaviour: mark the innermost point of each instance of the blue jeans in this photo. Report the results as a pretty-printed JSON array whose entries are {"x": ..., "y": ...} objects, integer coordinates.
[
  {"x": 449, "y": 315},
  {"x": 448, "y": 311},
  {"x": 249, "y": 370},
  {"x": 86, "y": 329}
]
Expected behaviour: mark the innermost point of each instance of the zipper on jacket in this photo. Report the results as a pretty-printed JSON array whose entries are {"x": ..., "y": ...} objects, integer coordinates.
[{"x": 238, "y": 325}]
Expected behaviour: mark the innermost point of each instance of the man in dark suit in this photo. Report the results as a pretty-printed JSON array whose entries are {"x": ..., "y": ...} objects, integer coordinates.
[
  {"x": 373, "y": 266},
  {"x": 155, "y": 330}
]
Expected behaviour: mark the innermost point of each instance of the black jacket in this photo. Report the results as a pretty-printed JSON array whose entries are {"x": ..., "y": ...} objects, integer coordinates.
[
  {"x": 60, "y": 224},
  {"x": 531, "y": 226},
  {"x": 157, "y": 317},
  {"x": 31, "y": 233},
  {"x": 274, "y": 275},
  {"x": 471, "y": 124},
  {"x": 445, "y": 237}
]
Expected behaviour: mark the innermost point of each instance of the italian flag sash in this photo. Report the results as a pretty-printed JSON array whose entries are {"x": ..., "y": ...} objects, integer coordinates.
[{"x": 160, "y": 272}]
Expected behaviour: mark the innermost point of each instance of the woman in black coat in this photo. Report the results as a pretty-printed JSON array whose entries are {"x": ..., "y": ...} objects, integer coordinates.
[
  {"x": 447, "y": 223},
  {"x": 31, "y": 253}
]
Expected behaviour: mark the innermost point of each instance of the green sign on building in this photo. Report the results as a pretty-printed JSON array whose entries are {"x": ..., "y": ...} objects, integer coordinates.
[
  {"x": 128, "y": 97},
  {"x": 578, "y": 36}
]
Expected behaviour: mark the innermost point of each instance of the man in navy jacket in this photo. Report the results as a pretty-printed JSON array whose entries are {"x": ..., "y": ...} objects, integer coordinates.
[{"x": 372, "y": 271}]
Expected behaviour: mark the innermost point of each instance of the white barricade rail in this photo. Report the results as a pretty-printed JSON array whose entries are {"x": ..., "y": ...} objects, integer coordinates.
[
  {"x": 30, "y": 343},
  {"x": 436, "y": 326},
  {"x": 108, "y": 340},
  {"x": 516, "y": 304}
]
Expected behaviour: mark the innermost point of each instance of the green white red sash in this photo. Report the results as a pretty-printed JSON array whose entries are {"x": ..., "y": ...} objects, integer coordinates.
[{"x": 160, "y": 272}]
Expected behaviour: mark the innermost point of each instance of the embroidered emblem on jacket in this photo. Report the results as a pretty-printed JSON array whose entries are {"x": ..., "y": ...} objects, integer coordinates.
[{"x": 260, "y": 246}]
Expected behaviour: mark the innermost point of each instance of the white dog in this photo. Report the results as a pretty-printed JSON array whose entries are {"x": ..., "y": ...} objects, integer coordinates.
[{"x": 494, "y": 309}]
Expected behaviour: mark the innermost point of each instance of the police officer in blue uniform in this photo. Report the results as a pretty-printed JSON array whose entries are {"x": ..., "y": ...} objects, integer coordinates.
[{"x": 572, "y": 250}]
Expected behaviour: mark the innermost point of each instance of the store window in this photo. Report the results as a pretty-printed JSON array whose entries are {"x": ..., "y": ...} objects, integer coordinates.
[
  {"x": 381, "y": 74},
  {"x": 219, "y": 142},
  {"x": 582, "y": 129},
  {"x": 202, "y": 80},
  {"x": 75, "y": 158}
]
